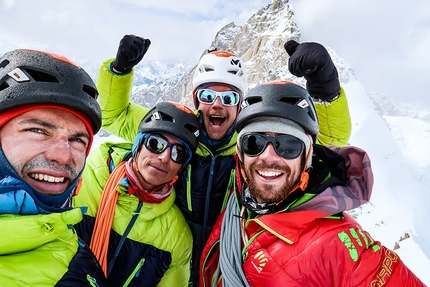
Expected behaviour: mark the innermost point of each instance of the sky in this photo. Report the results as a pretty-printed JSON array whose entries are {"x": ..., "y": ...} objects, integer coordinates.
[{"x": 385, "y": 42}]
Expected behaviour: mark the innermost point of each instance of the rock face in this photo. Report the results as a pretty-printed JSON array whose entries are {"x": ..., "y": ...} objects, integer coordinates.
[{"x": 259, "y": 42}]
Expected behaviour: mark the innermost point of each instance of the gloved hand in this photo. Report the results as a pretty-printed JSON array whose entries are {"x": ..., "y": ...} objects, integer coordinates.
[
  {"x": 130, "y": 51},
  {"x": 312, "y": 61}
]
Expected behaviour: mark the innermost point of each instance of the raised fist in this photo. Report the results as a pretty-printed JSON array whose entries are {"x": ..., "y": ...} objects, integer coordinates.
[
  {"x": 130, "y": 52},
  {"x": 312, "y": 61}
]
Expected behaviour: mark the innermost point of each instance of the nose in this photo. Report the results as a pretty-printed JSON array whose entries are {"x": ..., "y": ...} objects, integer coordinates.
[
  {"x": 269, "y": 154},
  {"x": 164, "y": 157},
  {"x": 59, "y": 152},
  {"x": 217, "y": 103}
]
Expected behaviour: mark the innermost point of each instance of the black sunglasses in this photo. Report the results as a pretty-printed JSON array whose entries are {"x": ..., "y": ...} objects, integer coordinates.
[
  {"x": 286, "y": 146},
  {"x": 157, "y": 144}
]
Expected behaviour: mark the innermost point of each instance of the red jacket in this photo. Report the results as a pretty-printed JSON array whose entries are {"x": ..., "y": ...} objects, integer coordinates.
[
  {"x": 304, "y": 242},
  {"x": 309, "y": 247}
]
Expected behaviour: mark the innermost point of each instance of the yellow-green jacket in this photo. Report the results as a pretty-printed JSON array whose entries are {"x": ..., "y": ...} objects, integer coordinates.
[
  {"x": 157, "y": 245},
  {"x": 43, "y": 250}
]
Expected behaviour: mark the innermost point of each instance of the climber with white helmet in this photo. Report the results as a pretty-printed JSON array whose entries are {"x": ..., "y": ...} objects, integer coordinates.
[{"x": 218, "y": 86}]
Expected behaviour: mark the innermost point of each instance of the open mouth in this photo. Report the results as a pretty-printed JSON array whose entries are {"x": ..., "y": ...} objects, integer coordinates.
[
  {"x": 46, "y": 178},
  {"x": 217, "y": 120}
]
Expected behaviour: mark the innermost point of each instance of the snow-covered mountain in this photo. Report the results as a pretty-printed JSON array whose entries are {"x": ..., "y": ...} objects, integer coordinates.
[{"x": 394, "y": 134}]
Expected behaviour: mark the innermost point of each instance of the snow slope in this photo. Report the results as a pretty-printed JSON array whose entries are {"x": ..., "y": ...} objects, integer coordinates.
[{"x": 399, "y": 200}]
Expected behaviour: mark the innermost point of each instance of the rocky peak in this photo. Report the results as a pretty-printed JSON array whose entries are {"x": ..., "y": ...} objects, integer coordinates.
[{"x": 260, "y": 43}]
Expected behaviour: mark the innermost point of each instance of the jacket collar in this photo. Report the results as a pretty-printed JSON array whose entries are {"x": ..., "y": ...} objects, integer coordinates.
[{"x": 287, "y": 226}]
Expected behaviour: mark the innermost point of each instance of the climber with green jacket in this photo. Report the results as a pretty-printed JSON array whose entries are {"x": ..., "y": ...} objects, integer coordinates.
[
  {"x": 48, "y": 117},
  {"x": 133, "y": 225},
  {"x": 218, "y": 86}
]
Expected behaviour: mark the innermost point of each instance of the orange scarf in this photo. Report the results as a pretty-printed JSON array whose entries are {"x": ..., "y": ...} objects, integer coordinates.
[{"x": 101, "y": 234}]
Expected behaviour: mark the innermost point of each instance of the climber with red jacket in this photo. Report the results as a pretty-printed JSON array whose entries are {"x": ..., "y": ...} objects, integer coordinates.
[{"x": 285, "y": 224}]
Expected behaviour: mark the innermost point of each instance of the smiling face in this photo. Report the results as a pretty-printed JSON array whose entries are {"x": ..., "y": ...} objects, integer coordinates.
[
  {"x": 46, "y": 147},
  {"x": 271, "y": 177},
  {"x": 217, "y": 118},
  {"x": 156, "y": 169}
]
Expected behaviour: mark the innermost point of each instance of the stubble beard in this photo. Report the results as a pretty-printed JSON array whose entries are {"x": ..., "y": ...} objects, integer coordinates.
[{"x": 267, "y": 193}]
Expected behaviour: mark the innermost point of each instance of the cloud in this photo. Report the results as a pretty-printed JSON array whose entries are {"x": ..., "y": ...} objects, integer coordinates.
[
  {"x": 91, "y": 30},
  {"x": 385, "y": 42},
  {"x": 8, "y": 4}
]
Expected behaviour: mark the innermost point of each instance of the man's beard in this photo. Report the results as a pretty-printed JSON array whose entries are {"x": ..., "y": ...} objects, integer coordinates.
[{"x": 270, "y": 193}]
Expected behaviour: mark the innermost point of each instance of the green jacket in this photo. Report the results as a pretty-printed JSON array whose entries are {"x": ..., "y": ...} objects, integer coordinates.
[
  {"x": 40, "y": 250},
  {"x": 157, "y": 249}
]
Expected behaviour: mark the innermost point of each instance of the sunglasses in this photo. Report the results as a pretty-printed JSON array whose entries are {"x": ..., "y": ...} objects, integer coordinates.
[
  {"x": 158, "y": 144},
  {"x": 286, "y": 146},
  {"x": 208, "y": 97}
]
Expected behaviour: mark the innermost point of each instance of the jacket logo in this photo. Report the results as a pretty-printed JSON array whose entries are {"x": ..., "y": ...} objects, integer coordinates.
[
  {"x": 262, "y": 260},
  {"x": 356, "y": 237},
  {"x": 386, "y": 269}
]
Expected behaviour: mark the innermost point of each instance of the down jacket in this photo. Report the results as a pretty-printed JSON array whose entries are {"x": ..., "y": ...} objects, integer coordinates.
[
  {"x": 313, "y": 242},
  {"x": 203, "y": 188},
  {"x": 39, "y": 247},
  {"x": 157, "y": 249},
  {"x": 44, "y": 250}
]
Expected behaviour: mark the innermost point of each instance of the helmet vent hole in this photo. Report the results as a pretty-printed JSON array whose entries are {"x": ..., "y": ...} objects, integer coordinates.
[
  {"x": 192, "y": 129},
  {"x": 232, "y": 72},
  {"x": 90, "y": 91},
  {"x": 291, "y": 101},
  {"x": 4, "y": 63},
  {"x": 39, "y": 76},
  {"x": 166, "y": 118},
  {"x": 253, "y": 100},
  {"x": 3, "y": 86}
]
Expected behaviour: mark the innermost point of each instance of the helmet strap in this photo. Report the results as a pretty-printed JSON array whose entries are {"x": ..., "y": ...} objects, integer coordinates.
[
  {"x": 78, "y": 187},
  {"x": 304, "y": 176}
]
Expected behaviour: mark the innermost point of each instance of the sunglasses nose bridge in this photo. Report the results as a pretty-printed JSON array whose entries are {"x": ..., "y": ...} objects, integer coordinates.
[
  {"x": 269, "y": 148},
  {"x": 217, "y": 101}
]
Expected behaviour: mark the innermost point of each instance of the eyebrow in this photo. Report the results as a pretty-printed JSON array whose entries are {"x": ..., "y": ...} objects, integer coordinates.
[{"x": 50, "y": 125}]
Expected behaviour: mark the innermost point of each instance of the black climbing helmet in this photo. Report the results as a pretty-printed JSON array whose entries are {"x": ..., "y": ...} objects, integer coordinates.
[
  {"x": 172, "y": 118},
  {"x": 279, "y": 99},
  {"x": 30, "y": 77}
]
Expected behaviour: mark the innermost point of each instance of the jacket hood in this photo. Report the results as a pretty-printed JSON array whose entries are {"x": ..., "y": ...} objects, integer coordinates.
[{"x": 347, "y": 182}]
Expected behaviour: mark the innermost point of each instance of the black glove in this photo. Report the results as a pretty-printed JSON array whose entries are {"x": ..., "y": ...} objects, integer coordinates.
[
  {"x": 312, "y": 61},
  {"x": 130, "y": 51}
]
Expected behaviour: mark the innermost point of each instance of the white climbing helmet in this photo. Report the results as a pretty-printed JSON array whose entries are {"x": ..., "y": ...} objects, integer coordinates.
[{"x": 220, "y": 67}]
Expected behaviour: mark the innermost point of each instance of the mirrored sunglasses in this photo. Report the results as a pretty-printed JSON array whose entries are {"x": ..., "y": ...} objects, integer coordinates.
[
  {"x": 286, "y": 146},
  {"x": 207, "y": 96},
  {"x": 158, "y": 144}
]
